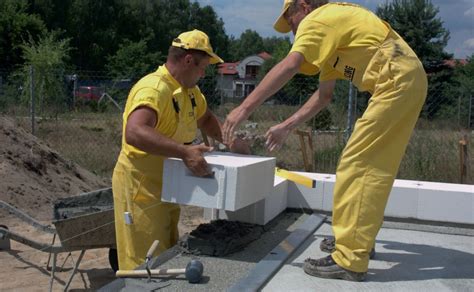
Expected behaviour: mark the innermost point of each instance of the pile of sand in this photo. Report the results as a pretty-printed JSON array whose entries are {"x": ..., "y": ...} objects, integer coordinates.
[{"x": 33, "y": 176}]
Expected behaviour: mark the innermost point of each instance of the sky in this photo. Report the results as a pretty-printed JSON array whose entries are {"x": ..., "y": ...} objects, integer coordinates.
[{"x": 259, "y": 15}]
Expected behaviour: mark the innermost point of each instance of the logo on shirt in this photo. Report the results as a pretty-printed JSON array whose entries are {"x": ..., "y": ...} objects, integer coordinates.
[{"x": 349, "y": 72}]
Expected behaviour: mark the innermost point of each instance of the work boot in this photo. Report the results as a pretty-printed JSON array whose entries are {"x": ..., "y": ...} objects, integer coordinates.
[
  {"x": 327, "y": 268},
  {"x": 329, "y": 245}
]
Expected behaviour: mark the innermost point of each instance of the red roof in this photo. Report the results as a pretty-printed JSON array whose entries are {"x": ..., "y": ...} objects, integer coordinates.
[
  {"x": 228, "y": 68},
  {"x": 455, "y": 62},
  {"x": 265, "y": 55},
  {"x": 231, "y": 68}
]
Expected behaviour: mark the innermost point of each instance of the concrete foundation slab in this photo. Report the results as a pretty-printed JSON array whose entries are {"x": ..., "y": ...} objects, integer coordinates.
[{"x": 406, "y": 260}]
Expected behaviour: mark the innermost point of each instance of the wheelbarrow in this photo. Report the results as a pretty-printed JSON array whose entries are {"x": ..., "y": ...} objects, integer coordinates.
[{"x": 81, "y": 222}]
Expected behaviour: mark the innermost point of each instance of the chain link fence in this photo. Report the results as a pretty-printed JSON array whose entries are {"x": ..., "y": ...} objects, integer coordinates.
[{"x": 80, "y": 115}]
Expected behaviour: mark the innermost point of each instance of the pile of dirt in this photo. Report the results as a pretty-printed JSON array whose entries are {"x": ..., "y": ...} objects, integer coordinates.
[
  {"x": 33, "y": 175},
  {"x": 220, "y": 238}
]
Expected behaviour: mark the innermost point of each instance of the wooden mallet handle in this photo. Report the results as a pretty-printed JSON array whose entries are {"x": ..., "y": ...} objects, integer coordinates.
[{"x": 144, "y": 274}]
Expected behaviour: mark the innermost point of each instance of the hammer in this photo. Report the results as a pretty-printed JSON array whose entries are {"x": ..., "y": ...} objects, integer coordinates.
[{"x": 193, "y": 272}]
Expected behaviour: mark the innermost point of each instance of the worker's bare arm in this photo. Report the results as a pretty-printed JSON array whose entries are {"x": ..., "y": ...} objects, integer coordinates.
[
  {"x": 273, "y": 81},
  {"x": 140, "y": 133},
  {"x": 277, "y": 134},
  {"x": 212, "y": 127},
  {"x": 318, "y": 101}
]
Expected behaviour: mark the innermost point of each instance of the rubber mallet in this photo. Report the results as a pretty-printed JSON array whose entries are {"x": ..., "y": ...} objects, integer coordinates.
[{"x": 193, "y": 272}]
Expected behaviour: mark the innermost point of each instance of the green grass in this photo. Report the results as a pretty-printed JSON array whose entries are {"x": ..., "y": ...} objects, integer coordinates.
[{"x": 93, "y": 141}]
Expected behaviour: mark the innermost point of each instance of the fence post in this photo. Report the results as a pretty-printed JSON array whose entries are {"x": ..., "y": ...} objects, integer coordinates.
[
  {"x": 350, "y": 113},
  {"x": 32, "y": 97},
  {"x": 469, "y": 119},
  {"x": 463, "y": 159}
]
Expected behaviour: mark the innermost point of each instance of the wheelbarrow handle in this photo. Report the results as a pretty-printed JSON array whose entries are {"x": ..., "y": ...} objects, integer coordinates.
[{"x": 26, "y": 218}]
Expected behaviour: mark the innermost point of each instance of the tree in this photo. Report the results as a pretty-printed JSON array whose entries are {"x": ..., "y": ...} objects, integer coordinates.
[
  {"x": 459, "y": 111},
  {"x": 271, "y": 44},
  {"x": 16, "y": 26},
  {"x": 48, "y": 57},
  {"x": 416, "y": 22},
  {"x": 249, "y": 43},
  {"x": 205, "y": 19},
  {"x": 133, "y": 60},
  {"x": 54, "y": 13},
  {"x": 298, "y": 89},
  {"x": 92, "y": 26},
  {"x": 99, "y": 28}
]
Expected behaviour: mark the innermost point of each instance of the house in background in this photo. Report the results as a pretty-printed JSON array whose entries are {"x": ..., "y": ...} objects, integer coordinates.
[{"x": 237, "y": 80}]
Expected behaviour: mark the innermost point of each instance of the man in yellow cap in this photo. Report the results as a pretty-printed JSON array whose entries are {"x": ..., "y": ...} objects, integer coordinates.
[
  {"x": 346, "y": 41},
  {"x": 163, "y": 111}
]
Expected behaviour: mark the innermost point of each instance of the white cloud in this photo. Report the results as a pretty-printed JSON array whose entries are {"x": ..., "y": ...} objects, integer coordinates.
[
  {"x": 470, "y": 12},
  {"x": 469, "y": 44}
]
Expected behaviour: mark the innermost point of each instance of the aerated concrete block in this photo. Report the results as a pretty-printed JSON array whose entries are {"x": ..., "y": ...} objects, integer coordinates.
[
  {"x": 403, "y": 199},
  {"x": 446, "y": 202},
  {"x": 261, "y": 212},
  {"x": 302, "y": 197},
  {"x": 237, "y": 181}
]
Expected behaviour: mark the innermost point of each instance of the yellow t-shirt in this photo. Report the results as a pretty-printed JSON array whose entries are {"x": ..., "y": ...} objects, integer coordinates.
[
  {"x": 157, "y": 91},
  {"x": 338, "y": 40}
]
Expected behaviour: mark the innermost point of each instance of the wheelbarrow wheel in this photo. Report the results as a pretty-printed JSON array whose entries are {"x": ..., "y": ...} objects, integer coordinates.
[
  {"x": 113, "y": 259},
  {"x": 4, "y": 242}
]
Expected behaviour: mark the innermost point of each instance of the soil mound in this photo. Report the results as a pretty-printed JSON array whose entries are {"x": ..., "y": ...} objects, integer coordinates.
[{"x": 33, "y": 176}]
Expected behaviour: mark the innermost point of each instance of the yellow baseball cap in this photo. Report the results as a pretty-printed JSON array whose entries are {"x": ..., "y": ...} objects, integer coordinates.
[
  {"x": 196, "y": 40},
  {"x": 281, "y": 25}
]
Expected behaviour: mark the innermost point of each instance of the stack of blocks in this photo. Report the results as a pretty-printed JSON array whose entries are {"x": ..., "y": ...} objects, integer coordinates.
[{"x": 244, "y": 188}]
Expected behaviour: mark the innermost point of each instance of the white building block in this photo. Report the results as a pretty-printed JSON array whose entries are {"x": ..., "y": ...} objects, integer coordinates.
[
  {"x": 408, "y": 199},
  {"x": 261, "y": 212},
  {"x": 329, "y": 180},
  {"x": 301, "y": 197},
  {"x": 403, "y": 199},
  {"x": 238, "y": 181},
  {"x": 446, "y": 202}
]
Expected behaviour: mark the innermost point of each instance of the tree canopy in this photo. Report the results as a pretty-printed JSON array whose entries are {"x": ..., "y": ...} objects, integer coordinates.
[
  {"x": 100, "y": 29},
  {"x": 417, "y": 22},
  {"x": 17, "y": 26}
]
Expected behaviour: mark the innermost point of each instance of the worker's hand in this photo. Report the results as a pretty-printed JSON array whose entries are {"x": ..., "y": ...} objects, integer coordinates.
[
  {"x": 276, "y": 136},
  {"x": 194, "y": 159},
  {"x": 233, "y": 120},
  {"x": 239, "y": 145}
]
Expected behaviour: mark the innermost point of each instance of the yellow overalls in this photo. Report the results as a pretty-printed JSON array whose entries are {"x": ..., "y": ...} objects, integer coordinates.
[
  {"x": 370, "y": 160},
  {"x": 346, "y": 41},
  {"x": 137, "y": 186}
]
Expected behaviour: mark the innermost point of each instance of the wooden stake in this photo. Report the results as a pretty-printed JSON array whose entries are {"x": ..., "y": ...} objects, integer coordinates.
[
  {"x": 463, "y": 159},
  {"x": 308, "y": 158}
]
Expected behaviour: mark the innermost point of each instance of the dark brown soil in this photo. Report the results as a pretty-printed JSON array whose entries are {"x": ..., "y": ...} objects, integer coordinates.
[{"x": 221, "y": 237}]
